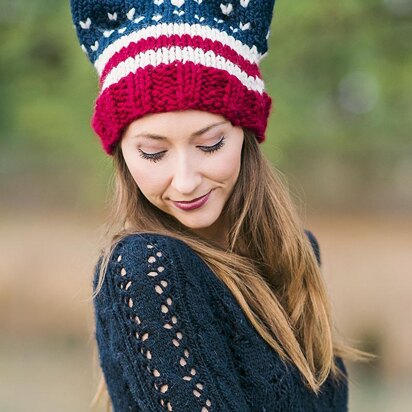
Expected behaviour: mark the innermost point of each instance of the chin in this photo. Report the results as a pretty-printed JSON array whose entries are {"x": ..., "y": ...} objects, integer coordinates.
[
  {"x": 197, "y": 225},
  {"x": 197, "y": 222}
]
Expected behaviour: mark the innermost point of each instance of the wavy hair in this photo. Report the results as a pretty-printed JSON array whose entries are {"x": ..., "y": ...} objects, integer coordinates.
[{"x": 269, "y": 266}]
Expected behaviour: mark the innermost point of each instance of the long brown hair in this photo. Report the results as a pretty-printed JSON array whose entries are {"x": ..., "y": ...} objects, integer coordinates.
[{"x": 269, "y": 265}]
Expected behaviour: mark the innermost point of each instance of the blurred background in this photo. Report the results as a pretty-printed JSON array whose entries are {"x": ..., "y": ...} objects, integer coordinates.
[{"x": 340, "y": 74}]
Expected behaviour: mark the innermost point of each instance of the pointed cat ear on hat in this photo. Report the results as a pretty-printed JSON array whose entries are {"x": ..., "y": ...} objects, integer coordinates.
[{"x": 121, "y": 38}]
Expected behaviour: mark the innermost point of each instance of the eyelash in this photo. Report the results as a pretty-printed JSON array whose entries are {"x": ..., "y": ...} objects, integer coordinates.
[{"x": 155, "y": 157}]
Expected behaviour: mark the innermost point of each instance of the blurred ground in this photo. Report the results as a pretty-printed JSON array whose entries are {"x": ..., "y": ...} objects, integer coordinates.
[{"x": 47, "y": 347}]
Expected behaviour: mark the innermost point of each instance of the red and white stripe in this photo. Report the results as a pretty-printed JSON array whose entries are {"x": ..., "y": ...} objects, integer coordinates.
[{"x": 167, "y": 43}]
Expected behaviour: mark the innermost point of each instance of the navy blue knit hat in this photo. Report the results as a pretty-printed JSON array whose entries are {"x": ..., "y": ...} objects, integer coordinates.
[{"x": 165, "y": 55}]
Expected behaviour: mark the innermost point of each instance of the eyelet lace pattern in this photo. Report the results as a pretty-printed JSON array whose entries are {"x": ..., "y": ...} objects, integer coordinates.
[{"x": 162, "y": 293}]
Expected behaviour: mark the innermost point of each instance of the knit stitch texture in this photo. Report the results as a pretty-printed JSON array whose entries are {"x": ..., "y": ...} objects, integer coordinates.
[{"x": 171, "y": 336}]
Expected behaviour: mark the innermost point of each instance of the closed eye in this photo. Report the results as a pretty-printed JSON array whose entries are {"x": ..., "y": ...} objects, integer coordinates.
[
  {"x": 217, "y": 146},
  {"x": 155, "y": 157}
]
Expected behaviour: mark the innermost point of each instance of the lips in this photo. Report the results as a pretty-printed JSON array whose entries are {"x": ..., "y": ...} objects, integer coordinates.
[{"x": 193, "y": 204}]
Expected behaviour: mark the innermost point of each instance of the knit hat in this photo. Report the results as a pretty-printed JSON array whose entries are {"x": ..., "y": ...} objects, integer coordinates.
[{"x": 157, "y": 56}]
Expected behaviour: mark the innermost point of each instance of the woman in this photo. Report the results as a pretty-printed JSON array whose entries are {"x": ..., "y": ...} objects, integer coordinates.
[{"x": 209, "y": 294}]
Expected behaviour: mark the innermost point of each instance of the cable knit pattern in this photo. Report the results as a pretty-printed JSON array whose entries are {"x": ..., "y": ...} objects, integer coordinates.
[
  {"x": 171, "y": 337},
  {"x": 155, "y": 56}
]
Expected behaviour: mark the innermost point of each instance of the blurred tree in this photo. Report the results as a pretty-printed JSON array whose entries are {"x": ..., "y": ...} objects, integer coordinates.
[{"x": 339, "y": 74}]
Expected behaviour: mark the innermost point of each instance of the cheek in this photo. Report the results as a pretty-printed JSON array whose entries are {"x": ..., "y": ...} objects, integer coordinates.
[
  {"x": 226, "y": 167},
  {"x": 151, "y": 180}
]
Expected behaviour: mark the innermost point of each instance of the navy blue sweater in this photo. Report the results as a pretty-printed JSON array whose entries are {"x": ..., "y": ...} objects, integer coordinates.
[{"x": 171, "y": 336}]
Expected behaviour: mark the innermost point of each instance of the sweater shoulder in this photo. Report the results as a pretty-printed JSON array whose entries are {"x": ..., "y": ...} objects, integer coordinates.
[
  {"x": 153, "y": 248},
  {"x": 157, "y": 253},
  {"x": 149, "y": 250},
  {"x": 145, "y": 261}
]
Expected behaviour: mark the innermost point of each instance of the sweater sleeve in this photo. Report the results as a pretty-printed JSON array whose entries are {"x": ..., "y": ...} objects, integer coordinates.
[
  {"x": 159, "y": 343},
  {"x": 315, "y": 245}
]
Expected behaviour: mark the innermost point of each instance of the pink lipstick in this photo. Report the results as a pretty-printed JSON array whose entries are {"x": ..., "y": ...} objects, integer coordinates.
[{"x": 193, "y": 204}]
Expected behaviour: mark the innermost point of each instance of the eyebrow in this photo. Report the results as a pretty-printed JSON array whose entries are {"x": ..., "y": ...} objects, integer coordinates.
[{"x": 198, "y": 133}]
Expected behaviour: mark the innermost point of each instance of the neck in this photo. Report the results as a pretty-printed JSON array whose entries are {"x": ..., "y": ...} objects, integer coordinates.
[{"x": 215, "y": 233}]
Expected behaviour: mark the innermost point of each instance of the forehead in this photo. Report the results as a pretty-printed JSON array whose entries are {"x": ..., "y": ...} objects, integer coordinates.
[{"x": 179, "y": 123}]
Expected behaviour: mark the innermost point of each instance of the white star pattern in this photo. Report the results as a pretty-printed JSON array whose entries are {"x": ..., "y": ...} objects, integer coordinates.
[
  {"x": 226, "y": 9},
  {"x": 131, "y": 13},
  {"x": 85, "y": 24},
  {"x": 178, "y": 3}
]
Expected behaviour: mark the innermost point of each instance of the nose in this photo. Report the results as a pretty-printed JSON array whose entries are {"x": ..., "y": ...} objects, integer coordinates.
[{"x": 186, "y": 177}]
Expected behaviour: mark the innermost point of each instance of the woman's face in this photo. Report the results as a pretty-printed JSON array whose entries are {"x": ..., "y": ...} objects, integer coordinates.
[{"x": 181, "y": 156}]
